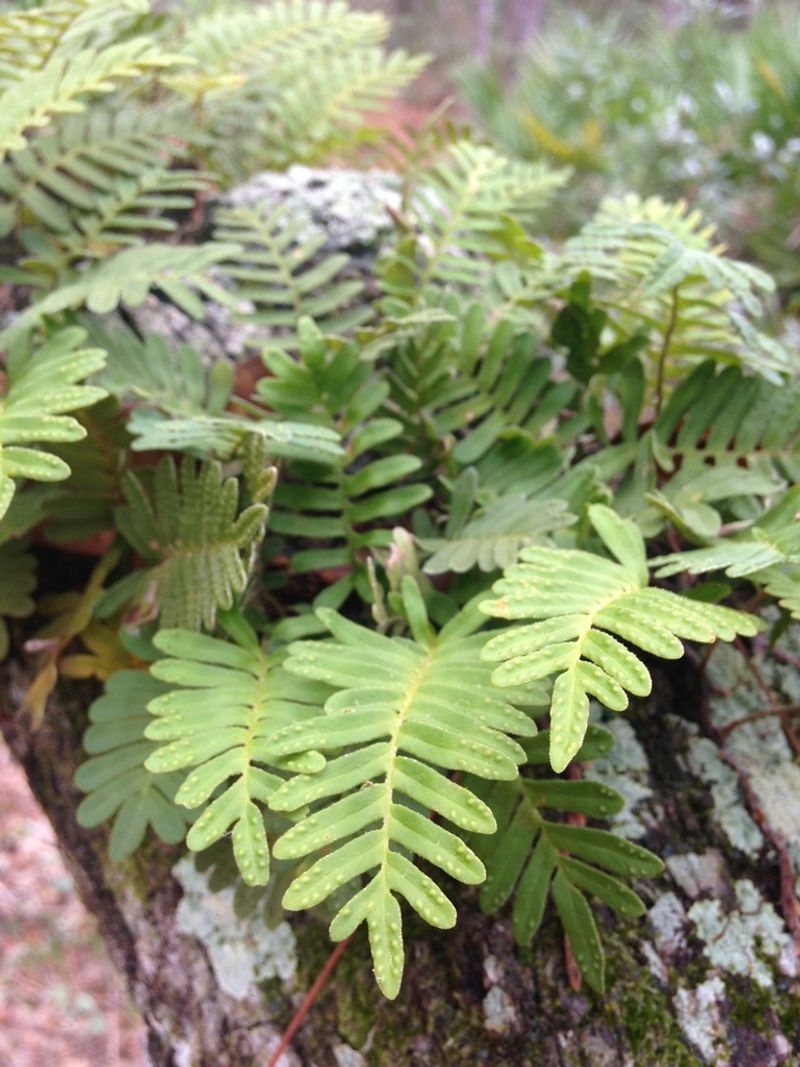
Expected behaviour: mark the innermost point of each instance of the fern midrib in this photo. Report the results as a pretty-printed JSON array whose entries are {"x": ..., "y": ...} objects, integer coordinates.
[
  {"x": 456, "y": 217},
  {"x": 394, "y": 741}
]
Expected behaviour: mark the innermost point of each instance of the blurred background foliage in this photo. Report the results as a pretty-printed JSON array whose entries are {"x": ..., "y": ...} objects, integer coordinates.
[{"x": 693, "y": 99}]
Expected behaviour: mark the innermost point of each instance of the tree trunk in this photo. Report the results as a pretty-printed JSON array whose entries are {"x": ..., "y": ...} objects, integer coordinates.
[{"x": 708, "y": 977}]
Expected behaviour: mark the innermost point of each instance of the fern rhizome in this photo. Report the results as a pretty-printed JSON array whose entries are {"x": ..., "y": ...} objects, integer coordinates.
[{"x": 355, "y": 626}]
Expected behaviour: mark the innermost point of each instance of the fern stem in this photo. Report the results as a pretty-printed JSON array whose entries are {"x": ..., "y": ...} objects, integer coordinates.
[
  {"x": 308, "y": 1000},
  {"x": 664, "y": 353}
]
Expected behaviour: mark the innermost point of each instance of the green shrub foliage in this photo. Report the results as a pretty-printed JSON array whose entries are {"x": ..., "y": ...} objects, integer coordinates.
[{"x": 356, "y": 620}]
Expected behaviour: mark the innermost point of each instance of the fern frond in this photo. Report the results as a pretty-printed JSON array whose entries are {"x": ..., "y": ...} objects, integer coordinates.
[
  {"x": 181, "y": 272},
  {"x": 29, "y": 38},
  {"x": 149, "y": 370},
  {"x": 459, "y": 204},
  {"x": 40, "y": 389},
  {"x": 64, "y": 83},
  {"x": 492, "y": 538},
  {"x": 280, "y": 271},
  {"x": 352, "y": 496},
  {"x": 199, "y": 545},
  {"x": 97, "y": 175},
  {"x": 663, "y": 270},
  {"x": 17, "y": 582},
  {"x": 585, "y": 603},
  {"x": 532, "y": 857},
  {"x": 475, "y": 382},
  {"x": 403, "y": 711},
  {"x": 115, "y": 778},
  {"x": 223, "y": 702}
]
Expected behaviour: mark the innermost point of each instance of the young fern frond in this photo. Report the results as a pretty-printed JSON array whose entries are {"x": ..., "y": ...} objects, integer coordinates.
[
  {"x": 40, "y": 389},
  {"x": 215, "y": 717},
  {"x": 532, "y": 857},
  {"x": 282, "y": 274},
  {"x": 584, "y": 604},
  {"x": 404, "y": 711},
  {"x": 200, "y": 547},
  {"x": 115, "y": 779}
]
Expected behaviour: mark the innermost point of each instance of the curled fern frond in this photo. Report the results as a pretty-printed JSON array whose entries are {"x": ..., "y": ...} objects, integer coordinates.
[
  {"x": 41, "y": 388},
  {"x": 404, "y": 711},
  {"x": 198, "y": 543},
  {"x": 222, "y": 703},
  {"x": 584, "y": 604}
]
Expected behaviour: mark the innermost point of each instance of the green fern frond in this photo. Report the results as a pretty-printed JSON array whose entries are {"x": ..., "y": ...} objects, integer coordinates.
[
  {"x": 198, "y": 543},
  {"x": 115, "y": 778},
  {"x": 149, "y": 370},
  {"x": 280, "y": 271},
  {"x": 471, "y": 382},
  {"x": 93, "y": 175},
  {"x": 350, "y": 498},
  {"x": 492, "y": 538},
  {"x": 767, "y": 554},
  {"x": 29, "y": 38},
  {"x": 404, "y": 711},
  {"x": 662, "y": 270},
  {"x": 285, "y": 35},
  {"x": 63, "y": 85},
  {"x": 532, "y": 857},
  {"x": 17, "y": 582},
  {"x": 290, "y": 81},
  {"x": 40, "y": 389},
  {"x": 585, "y": 603},
  {"x": 180, "y": 272},
  {"x": 459, "y": 204},
  {"x": 224, "y": 702}
]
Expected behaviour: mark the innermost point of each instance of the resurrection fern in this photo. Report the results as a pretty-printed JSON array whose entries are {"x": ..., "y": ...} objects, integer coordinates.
[
  {"x": 280, "y": 570},
  {"x": 281, "y": 273},
  {"x": 659, "y": 267},
  {"x": 58, "y": 179},
  {"x": 403, "y": 712},
  {"x": 365, "y": 486},
  {"x": 127, "y": 277},
  {"x": 224, "y": 703},
  {"x": 117, "y": 783},
  {"x": 532, "y": 857},
  {"x": 584, "y": 604},
  {"x": 199, "y": 544},
  {"x": 459, "y": 205},
  {"x": 41, "y": 387}
]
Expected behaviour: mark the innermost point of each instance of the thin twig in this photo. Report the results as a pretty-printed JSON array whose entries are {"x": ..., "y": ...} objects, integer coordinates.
[
  {"x": 765, "y": 713},
  {"x": 308, "y": 1000}
]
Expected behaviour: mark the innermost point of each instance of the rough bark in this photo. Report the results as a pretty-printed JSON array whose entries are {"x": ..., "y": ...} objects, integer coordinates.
[{"x": 708, "y": 987}]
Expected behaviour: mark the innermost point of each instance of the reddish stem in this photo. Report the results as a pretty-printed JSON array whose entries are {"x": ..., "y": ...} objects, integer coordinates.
[{"x": 308, "y": 1000}]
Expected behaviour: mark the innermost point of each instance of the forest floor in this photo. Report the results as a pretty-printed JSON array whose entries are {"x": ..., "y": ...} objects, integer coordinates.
[{"x": 62, "y": 1004}]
